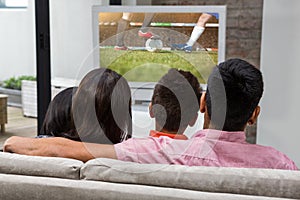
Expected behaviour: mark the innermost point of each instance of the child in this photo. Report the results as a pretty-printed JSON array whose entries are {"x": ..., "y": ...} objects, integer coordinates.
[{"x": 175, "y": 104}]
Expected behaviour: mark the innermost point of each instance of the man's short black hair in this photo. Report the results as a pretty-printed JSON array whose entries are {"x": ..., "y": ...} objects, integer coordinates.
[
  {"x": 175, "y": 100},
  {"x": 234, "y": 90}
]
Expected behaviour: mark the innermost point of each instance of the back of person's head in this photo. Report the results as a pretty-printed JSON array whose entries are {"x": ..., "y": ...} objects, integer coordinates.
[
  {"x": 58, "y": 121},
  {"x": 175, "y": 100},
  {"x": 102, "y": 107},
  {"x": 234, "y": 90}
]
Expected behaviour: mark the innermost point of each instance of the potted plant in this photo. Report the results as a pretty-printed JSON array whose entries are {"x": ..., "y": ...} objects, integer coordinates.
[{"x": 12, "y": 88}]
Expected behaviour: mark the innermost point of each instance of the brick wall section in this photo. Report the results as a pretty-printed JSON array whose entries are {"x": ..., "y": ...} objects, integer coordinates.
[
  {"x": 243, "y": 28},
  {"x": 243, "y": 32}
]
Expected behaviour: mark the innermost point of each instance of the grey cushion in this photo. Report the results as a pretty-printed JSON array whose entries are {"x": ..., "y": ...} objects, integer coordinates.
[
  {"x": 260, "y": 182},
  {"x": 39, "y": 166},
  {"x": 15, "y": 187}
]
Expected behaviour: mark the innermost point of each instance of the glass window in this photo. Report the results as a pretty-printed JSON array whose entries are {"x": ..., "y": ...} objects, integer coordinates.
[{"x": 13, "y": 3}]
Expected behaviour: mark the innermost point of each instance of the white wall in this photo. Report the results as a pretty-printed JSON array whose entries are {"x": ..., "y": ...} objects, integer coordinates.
[
  {"x": 17, "y": 42},
  {"x": 279, "y": 123},
  {"x": 72, "y": 37}
]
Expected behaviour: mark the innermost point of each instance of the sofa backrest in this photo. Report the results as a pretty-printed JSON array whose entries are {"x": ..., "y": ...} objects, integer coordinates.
[
  {"x": 257, "y": 182},
  {"x": 39, "y": 166},
  {"x": 16, "y": 187},
  {"x": 239, "y": 181}
]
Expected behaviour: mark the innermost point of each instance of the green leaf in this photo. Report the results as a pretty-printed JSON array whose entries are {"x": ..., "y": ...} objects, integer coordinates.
[{"x": 15, "y": 83}]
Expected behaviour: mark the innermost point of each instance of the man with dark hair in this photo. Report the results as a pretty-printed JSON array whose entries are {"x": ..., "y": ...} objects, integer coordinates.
[
  {"x": 233, "y": 93},
  {"x": 175, "y": 104},
  {"x": 234, "y": 90}
]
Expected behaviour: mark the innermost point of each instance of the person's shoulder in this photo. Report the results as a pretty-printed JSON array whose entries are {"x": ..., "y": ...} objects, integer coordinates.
[
  {"x": 140, "y": 141},
  {"x": 200, "y": 133},
  {"x": 282, "y": 160},
  {"x": 149, "y": 142},
  {"x": 143, "y": 150}
]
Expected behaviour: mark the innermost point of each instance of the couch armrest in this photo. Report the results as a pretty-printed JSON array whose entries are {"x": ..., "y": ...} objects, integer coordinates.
[{"x": 39, "y": 166}]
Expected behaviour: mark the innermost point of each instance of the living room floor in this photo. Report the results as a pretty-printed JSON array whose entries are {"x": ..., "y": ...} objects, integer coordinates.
[{"x": 18, "y": 125}]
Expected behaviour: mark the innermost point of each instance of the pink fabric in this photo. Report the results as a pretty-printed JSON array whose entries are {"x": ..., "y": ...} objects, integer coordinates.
[{"x": 206, "y": 148}]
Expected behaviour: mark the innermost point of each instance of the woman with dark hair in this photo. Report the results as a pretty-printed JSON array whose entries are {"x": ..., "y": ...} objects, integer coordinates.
[
  {"x": 58, "y": 121},
  {"x": 98, "y": 112},
  {"x": 102, "y": 107}
]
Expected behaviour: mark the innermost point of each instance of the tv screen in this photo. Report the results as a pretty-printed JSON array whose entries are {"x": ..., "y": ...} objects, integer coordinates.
[{"x": 143, "y": 42}]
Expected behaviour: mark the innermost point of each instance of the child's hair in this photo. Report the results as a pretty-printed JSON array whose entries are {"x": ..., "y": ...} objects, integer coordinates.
[
  {"x": 175, "y": 100},
  {"x": 102, "y": 107},
  {"x": 58, "y": 121}
]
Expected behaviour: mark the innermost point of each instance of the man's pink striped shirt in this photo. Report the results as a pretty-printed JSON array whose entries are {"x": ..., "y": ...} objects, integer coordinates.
[{"x": 205, "y": 148}]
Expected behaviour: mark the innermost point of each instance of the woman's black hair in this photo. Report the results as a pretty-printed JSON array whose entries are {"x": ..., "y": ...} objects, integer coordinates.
[
  {"x": 102, "y": 107},
  {"x": 58, "y": 121}
]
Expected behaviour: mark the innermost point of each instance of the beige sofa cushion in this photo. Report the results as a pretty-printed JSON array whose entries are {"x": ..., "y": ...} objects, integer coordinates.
[
  {"x": 258, "y": 182},
  {"x": 39, "y": 166},
  {"x": 16, "y": 187}
]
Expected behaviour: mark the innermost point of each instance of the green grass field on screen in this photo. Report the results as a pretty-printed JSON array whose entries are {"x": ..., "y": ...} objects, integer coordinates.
[{"x": 144, "y": 66}]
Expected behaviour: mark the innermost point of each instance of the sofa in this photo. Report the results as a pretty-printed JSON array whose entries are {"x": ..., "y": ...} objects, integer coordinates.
[{"x": 34, "y": 177}]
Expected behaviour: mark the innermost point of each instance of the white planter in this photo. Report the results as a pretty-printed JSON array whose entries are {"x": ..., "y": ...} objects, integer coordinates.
[
  {"x": 29, "y": 98},
  {"x": 29, "y": 93}
]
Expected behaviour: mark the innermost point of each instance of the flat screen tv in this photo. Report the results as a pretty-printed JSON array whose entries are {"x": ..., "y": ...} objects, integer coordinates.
[{"x": 144, "y": 52}]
